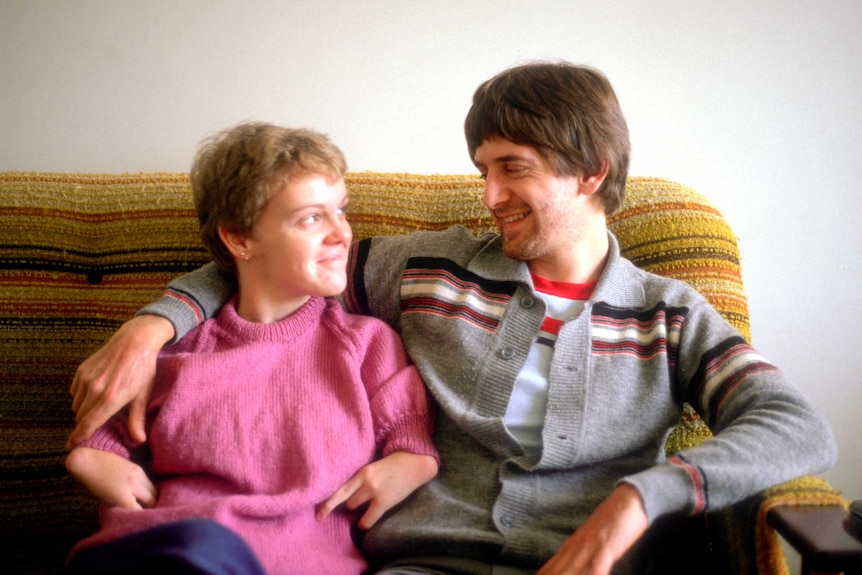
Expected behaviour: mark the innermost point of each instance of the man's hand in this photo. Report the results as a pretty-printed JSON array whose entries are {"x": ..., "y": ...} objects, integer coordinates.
[
  {"x": 111, "y": 478},
  {"x": 384, "y": 484},
  {"x": 603, "y": 538},
  {"x": 122, "y": 371}
]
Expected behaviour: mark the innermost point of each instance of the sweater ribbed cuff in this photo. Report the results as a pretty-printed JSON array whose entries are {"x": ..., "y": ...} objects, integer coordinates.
[
  {"x": 664, "y": 489},
  {"x": 411, "y": 434},
  {"x": 183, "y": 317}
]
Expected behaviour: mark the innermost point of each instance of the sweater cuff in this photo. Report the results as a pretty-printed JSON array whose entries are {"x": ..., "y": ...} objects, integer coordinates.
[
  {"x": 183, "y": 317},
  {"x": 667, "y": 489},
  {"x": 117, "y": 442},
  {"x": 191, "y": 299},
  {"x": 411, "y": 434}
]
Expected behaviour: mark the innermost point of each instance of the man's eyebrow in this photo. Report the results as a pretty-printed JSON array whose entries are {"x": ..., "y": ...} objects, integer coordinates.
[{"x": 506, "y": 158}]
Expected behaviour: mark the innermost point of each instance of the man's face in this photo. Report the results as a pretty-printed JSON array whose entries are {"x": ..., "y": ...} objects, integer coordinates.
[{"x": 540, "y": 215}]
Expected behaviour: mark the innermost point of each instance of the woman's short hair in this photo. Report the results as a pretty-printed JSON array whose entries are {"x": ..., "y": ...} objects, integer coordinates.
[
  {"x": 568, "y": 113},
  {"x": 236, "y": 172}
]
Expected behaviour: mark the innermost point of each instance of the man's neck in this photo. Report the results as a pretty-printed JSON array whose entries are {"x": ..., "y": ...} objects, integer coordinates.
[{"x": 582, "y": 263}]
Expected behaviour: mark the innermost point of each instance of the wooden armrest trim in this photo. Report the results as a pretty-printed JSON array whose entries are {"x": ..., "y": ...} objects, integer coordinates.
[{"x": 820, "y": 534}]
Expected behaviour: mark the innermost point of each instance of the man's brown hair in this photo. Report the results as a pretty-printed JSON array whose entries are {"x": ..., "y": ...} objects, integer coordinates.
[{"x": 568, "y": 113}]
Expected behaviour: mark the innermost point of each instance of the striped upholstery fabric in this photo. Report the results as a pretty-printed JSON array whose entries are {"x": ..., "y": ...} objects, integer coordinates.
[
  {"x": 80, "y": 253},
  {"x": 674, "y": 231}
]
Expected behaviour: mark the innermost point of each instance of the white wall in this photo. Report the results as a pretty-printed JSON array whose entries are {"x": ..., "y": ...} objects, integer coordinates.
[{"x": 757, "y": 103}]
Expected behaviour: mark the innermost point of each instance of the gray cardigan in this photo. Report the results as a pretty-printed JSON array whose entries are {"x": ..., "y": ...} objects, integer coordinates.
[{"x": 619, "y": 376}]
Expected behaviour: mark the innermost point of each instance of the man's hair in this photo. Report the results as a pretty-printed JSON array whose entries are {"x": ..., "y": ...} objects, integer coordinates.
[
  {"x": 568, "y": 113},
  {"x": 238, "y": 171}
]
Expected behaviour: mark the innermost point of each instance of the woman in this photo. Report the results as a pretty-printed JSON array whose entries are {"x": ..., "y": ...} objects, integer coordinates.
[{"x": 279, "y": 409}]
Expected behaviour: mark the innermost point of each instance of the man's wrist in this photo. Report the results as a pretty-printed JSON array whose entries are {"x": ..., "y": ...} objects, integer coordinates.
[{"x": 157, "y": 329}]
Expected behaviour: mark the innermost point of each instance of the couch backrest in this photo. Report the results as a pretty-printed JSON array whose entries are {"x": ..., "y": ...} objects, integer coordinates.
[{"x": 118, "y": 239}]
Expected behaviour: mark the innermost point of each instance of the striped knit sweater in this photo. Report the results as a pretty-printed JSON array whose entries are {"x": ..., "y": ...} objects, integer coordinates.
[{"x": 620, "y": 373}]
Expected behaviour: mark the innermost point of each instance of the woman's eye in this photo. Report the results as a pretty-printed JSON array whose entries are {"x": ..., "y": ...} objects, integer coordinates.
[{"x": 311, "y": 219}]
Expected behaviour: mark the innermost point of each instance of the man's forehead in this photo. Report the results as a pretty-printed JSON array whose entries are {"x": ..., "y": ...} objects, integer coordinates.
[{"x": 497, "y": 150}]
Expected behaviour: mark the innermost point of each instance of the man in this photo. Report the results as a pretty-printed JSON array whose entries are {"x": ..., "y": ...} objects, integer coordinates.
[{"x": 535, "y": 344}]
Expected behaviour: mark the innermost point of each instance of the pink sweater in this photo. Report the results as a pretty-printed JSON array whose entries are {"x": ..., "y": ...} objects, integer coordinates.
[{"x": 253, "y": 425}]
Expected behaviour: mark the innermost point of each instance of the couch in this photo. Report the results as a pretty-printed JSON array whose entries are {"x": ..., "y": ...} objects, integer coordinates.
[{"x": 80, "y": 253}]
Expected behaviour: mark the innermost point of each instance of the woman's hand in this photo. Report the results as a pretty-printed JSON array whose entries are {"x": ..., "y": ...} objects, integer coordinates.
[
  {"x": 121, "y": 372},
  {"x": 111, "y": 478},
  {"x": 383, "y": 484}
]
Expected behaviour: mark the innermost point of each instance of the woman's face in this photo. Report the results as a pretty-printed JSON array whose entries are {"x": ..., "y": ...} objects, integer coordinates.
[{"x": 298, "y": 248}]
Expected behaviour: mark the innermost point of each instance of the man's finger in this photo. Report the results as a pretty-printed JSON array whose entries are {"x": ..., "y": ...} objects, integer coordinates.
[
  {"x": 88, "y": 424},
  {"x": 138, "y": 417},
  {"x": 80, "y": 392}
]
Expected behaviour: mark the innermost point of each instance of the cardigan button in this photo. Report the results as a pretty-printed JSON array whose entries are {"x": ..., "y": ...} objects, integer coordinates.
[
  {"x": 506, "y": 521},
  {"x": 528, "y": 301},
  {"x": 507, "y": 353}
]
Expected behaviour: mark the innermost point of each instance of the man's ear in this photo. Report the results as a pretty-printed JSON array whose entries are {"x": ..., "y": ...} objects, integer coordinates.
[
  {"x": 590, "y": 183},
  {"x": 235, "y": 242}
]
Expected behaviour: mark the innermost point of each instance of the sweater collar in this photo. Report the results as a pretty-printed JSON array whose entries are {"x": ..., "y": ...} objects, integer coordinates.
[
  {"x": 287, "y": 329},
  {"x": 620, "y": 283}
]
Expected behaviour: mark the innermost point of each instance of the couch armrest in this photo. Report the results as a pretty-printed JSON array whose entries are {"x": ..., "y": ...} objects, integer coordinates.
[{"x": 821, "y": 536}]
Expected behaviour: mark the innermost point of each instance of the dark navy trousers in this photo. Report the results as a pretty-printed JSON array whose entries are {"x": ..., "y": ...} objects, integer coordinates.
[{"x": 188, "y": 546}]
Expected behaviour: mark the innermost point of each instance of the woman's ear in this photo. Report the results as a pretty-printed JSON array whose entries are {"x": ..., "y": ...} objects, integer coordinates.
[{"x": 235, "y": 242}]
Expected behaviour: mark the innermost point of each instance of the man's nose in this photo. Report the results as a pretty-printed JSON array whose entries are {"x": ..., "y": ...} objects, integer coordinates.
[{"x": 494, "y": 193}]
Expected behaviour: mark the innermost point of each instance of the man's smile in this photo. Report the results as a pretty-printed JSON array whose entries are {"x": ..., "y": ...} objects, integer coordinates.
[{"x": 513, "y": 218}]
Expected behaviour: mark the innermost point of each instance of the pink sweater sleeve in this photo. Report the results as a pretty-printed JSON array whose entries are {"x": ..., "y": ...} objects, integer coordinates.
[
  {"x": 401, "y": 410},
  {"x": 113, "y": 437}
]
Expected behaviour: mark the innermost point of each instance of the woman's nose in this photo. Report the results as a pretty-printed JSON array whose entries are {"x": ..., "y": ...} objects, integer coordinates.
[{"x": 340, "y": 229}]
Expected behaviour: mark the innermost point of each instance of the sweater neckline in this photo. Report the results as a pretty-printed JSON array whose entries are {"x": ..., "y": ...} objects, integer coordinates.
[{"x": 287, "y": 329}]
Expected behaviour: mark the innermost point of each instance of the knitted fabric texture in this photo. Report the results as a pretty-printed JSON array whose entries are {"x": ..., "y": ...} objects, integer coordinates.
[
  {"x": 80, "y": 253},
  {"x": 252, "y": 425}
]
